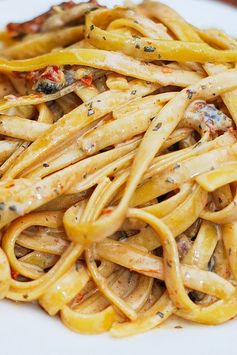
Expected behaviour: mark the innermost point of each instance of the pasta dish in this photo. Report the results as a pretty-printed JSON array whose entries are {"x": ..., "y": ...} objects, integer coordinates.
[{"x": 118, "y": 167}]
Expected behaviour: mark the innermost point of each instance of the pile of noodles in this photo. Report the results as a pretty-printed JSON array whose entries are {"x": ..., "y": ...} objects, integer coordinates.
[{"x": 118, "y": 153}]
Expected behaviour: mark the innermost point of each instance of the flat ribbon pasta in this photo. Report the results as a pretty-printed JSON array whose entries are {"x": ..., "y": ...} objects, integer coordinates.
[{"x": 118, "y": 153}]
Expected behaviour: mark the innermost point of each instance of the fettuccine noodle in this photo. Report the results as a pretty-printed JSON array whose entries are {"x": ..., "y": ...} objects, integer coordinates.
[{"x": 118, "y": 167}]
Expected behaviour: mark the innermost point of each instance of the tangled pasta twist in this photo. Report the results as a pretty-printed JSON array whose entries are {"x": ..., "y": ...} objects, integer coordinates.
[{"x": 118, "y": 157}]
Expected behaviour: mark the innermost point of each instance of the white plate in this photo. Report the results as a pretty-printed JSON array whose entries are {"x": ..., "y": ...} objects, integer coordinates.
[{"x": 27, "y": 330}]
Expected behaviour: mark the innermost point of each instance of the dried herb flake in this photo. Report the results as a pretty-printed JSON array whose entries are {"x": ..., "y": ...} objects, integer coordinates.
[
  {"x": 13, "y": 208},
  {"x": 197, "y": 145},
  {"x": 157, "y": 127},
  {"x": 160, "y": 314},
  {"x": 177, "y": 166},
  {"x": 190, "y": 94},
  {"x": 149, "y": 49},
  {"x": 90, "y": 112}
]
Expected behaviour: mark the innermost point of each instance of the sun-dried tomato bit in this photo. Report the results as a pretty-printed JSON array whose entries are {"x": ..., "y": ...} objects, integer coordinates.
[
  {"x": 21, "y": 29},
  {"x": 87, "y": 80},
  {"x": 53, "y": 73},
  {"x": 14, "y": 274},
  {"x": 34, "y": 26},
  {"x": 107, "y": 210},
  {"x": 51, "y": 80},
  {"x": 94, "y": 2},
  {"x": 32, "y": 76},
  {"x": 67, "y": 5},
  {"x": 48, "y": 80},
  {"x": 78, "y": 298}
]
